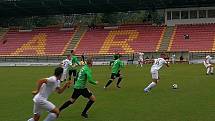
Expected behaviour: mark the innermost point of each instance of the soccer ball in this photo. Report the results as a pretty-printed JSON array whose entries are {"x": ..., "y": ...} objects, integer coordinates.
[{"x": 175, "y": 86}]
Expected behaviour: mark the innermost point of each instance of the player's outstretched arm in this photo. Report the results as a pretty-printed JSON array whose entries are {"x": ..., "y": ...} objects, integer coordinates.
[
  {"x": 60, "y": 90},
  {"x": 90, "y": 79},
  {"x": 122, "y": 64},
  {"x": 39, "y": 84}
]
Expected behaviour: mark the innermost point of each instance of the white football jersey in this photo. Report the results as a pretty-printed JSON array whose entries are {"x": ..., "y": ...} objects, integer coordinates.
[
  {"x": 47, "y": 88},
  {"x": 66, "y": 63},
  {"x": 208, "y": 60},
  {"x": 158, "y": 63},
  {"x": 141, "y": 56},
  {"x": 173, "y": 56}
]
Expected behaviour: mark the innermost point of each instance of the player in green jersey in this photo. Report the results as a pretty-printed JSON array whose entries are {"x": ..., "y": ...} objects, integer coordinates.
[
  {"x": 117, "y": 65},
  {"x": 115, "y": 57},
  {"x": 84, "y": 75},
  {"x": 73, "y": 67}
]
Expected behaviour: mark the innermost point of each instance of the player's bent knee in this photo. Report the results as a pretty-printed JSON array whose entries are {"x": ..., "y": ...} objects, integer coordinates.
[
  {"x": 92, "y": 98},
  {"x": 155, "y": 81},
  {"x": 55, "y": 111},
  {"x": 36, "y": 117}
]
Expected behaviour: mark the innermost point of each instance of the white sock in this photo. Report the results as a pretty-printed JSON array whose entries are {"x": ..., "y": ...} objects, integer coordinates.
[
  {"x": 208, "y": 70},
  {"x": 153, "y": 84},
  {"x": 212, "y": 69},
  {"x": 31, "y": 119},
  {"x": 51, "y": 117}
]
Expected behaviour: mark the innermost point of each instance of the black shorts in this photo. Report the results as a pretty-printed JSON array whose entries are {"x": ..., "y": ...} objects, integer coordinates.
[
  {"x": 73, "y": 73},
  {"x": 113, "y": 75},
  {"x": 84, "y": 92}
]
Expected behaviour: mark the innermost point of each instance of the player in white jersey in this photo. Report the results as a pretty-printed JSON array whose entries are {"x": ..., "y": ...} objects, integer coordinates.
[
  {"x": 141, "y": 60},
  {"x": 173, "y": 59},
  {"x": 44, "y": 88},
  {"x": 65, "y": 64},
  {"x": 157, "y": 65},
  {"x": 208, "y": 65}
]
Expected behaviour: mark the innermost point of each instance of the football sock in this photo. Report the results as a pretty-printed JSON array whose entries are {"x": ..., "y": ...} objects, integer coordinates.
[
  {"x": 65, "y": 105},
  {"x": 51, "y": 117},
  {"x": 75, "y": 79},
  {"x": 31, "y": 119},
  {"x": 89, "y": 104},
  {"x": 208, "y": 70},
  {"x": 119, "y": 80},
  {"x": 109, "y": 82},
  {"x": 212, "y": 69},
  {"x": 150, "y": 86}
]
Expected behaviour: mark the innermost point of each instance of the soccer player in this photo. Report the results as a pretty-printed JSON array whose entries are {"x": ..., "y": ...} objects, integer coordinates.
[
  {"x": 173, "y": 59},
  {"x": 157, "y": 65},
  {"x": 73, "y": 67},
  {"x": 65, "y": 64},
  {"x": 44, "y": 88},
  {"x": 117, "y": 65},
  {"x": 115, "y": 57},
  {"x": 208, "y": 65},
  {"x": 84, "y": 75},
  {"x": 141, "y": 60}
]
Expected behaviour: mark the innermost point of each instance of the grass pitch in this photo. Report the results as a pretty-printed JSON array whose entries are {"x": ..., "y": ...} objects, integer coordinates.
[{"x": 192, "y": 101}]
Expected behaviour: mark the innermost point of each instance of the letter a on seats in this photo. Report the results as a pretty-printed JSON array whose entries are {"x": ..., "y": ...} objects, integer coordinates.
[{"x": 37, "y": 44}]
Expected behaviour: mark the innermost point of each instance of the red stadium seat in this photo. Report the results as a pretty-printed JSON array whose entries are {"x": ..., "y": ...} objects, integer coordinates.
[
  {"x": 201, "y": 38},
  {"x": 38, "y": 42},
  {"x": 125, "y": 39}
]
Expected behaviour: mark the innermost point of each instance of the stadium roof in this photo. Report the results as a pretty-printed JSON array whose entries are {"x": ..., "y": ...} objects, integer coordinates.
[{"x": 52, "y": 7}]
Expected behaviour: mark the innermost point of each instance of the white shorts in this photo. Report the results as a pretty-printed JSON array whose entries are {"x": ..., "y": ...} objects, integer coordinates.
[
  {"x": 41, "y": 105},
  {"x": 155, "y": 74},
  {"x": 207, "y": 65},
  {"x": 140, "y": 60}
]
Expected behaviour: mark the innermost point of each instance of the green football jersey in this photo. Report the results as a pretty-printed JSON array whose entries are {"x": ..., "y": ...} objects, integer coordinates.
[
  {"x": 84, "y": 75},
  {"x": 117, "y": 65},
  {"x": 75, "y": 62}
]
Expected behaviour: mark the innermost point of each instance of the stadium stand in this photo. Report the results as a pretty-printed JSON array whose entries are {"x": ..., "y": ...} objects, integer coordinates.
[
  {"x": 38, "y": 42},
  {"x": 78, "y": 34},
  {"x": 201, "y": 37},
  {"x": 123, "y": 39},
  {"x": 3, "y": 31}
]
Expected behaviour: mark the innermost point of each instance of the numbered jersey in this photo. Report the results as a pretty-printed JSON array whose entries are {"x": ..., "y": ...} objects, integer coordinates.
[
  {"x": 158, "y": 63},
  {"x": 66, "y": 63}
]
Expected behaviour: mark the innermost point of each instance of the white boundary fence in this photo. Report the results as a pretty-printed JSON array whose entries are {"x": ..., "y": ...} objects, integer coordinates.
[{"x": 188, "y": 57}]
